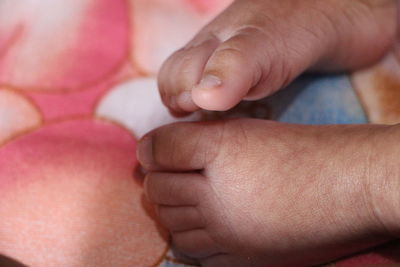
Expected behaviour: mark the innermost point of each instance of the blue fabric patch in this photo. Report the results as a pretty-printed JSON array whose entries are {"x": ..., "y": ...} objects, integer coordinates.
[{"x": 315, "y": 99}]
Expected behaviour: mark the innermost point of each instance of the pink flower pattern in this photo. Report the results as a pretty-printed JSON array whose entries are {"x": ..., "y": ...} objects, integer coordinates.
[{"x": 68, "y": 192}]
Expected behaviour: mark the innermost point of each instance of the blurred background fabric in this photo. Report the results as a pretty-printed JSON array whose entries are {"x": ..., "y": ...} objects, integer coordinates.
[{"x": 77, "y": 90}]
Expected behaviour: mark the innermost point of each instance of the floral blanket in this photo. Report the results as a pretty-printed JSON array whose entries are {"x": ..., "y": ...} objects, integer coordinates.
[{"x": 77, "y": 89}]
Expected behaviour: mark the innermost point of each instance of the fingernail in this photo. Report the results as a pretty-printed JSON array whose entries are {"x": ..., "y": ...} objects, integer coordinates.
[
  {"x": 185, "y": 101},
  {"x": 209, "y": 82},
  {"x": 144, "y": 152}
]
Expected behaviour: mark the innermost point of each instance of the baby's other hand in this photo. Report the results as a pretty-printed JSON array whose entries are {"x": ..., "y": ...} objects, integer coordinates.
[{"x": 254, "y": 48}]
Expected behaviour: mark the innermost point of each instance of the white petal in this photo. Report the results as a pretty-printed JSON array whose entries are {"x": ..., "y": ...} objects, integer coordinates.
[{"x": 137, "y": 105}]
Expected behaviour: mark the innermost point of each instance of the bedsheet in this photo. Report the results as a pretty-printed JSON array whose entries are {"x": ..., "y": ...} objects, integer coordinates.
[{"x": 77, "y": 90}]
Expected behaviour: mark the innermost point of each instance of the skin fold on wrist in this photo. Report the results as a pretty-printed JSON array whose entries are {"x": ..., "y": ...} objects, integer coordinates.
[{"x": 384, "y": 183}]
